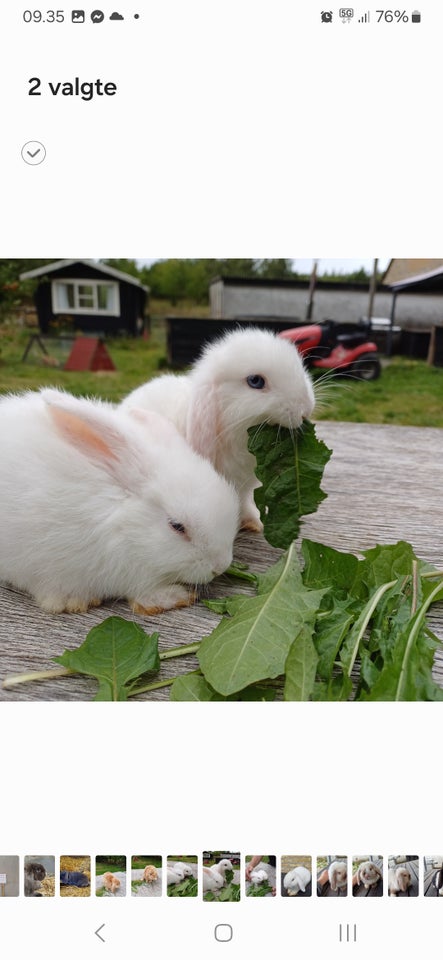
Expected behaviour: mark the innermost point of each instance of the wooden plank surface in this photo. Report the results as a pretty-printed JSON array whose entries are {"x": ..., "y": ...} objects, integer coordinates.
[{"x": 384, "y": 484}]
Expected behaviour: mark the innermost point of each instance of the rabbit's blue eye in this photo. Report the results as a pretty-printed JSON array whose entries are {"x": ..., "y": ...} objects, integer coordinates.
[{"x": 256, "y": 381}]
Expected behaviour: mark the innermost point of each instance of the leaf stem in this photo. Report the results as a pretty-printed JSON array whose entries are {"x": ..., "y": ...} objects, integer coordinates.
[
  {"x": 420, "y": 617},
  {"x": 134, "y": 691},
  {"x": 179, "y": 651},
  {"x": 17, "y": 678},
  {"x": 365, "y": 618}
]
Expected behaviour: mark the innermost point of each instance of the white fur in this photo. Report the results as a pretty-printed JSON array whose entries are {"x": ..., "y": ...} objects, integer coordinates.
[
  {"x": 338, "y": 875},
  {"x": 368, "y": 874},
  {"x": 222, "y": 866},
  {"x": 184, "y": 868},
  {"x": 296, "y": 880},
  {"x": 212, "y": 879},
  {"x": 87, "y": 496},
  {"x": 174, "y": 876},
  {"x": 399, "y": 879},
  {"x": 213, "y": 405},
  {"x": 258, "y": 876}
]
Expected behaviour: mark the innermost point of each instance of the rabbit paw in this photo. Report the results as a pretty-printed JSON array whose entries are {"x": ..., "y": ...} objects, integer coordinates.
[
  {"x": 254, "y": 526},
  {"x": 67, "y": 604},
  {"x": 171, "y": 598}
]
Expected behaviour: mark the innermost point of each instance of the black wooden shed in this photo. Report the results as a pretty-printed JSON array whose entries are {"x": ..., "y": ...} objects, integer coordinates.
[{"x": 89, "y": 296}]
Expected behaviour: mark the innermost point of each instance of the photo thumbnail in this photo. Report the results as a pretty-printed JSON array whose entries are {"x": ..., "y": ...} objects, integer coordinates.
[
  {"x": 182, "y": 876},
  {"x": 39, "y": 876},
  {"x": 367, "y": 876},
  {"x": 262, "y": 420},
  {"x": 110, "y": 876},
  {"x": 221, "y": 876},
  {"x": 75, "y": 876},
  {"x": 296, "y": 876},
  {"x": 332, "y": 876},
  {"x": 261, "y": 875},
  {"x": 146, "y": 875}
]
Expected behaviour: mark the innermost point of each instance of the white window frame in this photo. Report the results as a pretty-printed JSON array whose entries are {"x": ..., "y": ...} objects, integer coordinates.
[{"x": 58, "y": 307}]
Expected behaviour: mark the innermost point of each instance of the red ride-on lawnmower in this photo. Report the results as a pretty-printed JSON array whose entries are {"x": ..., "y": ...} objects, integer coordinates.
[{"x": 344, "y": 347}]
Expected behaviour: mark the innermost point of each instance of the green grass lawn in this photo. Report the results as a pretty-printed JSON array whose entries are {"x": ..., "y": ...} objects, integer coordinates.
[{"x": 408, "y": 392}]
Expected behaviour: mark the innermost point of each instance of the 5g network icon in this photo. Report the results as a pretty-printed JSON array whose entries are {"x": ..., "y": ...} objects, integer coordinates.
[{"x": 346, "y": 14}]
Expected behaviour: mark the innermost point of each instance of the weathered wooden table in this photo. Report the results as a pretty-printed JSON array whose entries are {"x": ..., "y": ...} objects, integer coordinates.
[{"x": 384, "y": 483}]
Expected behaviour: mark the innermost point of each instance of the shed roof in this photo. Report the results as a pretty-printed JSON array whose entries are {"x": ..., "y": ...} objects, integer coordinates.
[
  {"x": 101, "y": 267},
  {"x": 287, "y": 283},
  {"x": 400, "y": 269},
  {"x": 428, "y": 282}
]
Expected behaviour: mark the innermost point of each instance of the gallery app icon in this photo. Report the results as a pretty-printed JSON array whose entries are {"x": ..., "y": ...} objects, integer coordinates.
[{"x": 78, "y": 16}]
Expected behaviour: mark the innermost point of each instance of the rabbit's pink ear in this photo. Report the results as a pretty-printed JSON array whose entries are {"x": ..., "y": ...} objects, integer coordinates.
[
  {"x": 202, "y": 421},
  {"x": 88, "y": 438},
  {"x": 97, "y": 440}
]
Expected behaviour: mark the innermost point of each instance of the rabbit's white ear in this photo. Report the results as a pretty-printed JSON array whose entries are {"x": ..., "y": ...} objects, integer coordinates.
[
  {"x": 333, "y": 877},
  {"x": 202, "y": 421},
  {"x": 159, "y": 427},
  {"x": 301, "y": 884},
  {"x": 358, "y": 875}
]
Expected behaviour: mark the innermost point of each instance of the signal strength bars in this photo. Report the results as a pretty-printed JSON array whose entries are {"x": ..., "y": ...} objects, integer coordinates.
[{"x": 364, "y": 18}]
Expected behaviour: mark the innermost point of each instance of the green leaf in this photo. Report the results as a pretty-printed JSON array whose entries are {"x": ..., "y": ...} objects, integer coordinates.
[
  {"x": 115, "y": 652},
  {"x": 407, "y": 671},
  {"x": 332, "y": 627},
  {"x": 192, "y": 686},
  {"x": 259, "y": 889},
  {"x": 187, "y": 888},
  {"x": 326, "y": 567},
  {"x": 290, "y": 467},
  {"x": 301, "y": 665},
  {"x": 254, "y": 642}
]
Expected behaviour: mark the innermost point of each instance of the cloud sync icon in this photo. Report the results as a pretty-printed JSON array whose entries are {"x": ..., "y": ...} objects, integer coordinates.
[{"x": 116, "y": 16}]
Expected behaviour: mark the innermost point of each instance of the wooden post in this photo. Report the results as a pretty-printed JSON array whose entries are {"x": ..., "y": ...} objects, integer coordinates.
[
  {"x": 312, "y": 284},
  {"x": 372, "y": 289},
  {"x": 432, "y": 345}
]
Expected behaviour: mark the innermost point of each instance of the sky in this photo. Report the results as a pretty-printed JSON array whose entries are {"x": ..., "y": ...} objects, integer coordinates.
[{"x": 341, "y": 266}]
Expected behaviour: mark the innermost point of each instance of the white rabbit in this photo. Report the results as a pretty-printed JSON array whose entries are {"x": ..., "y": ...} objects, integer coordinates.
[
  {"x": 296, "y": 880},
  {"x": 399, "y": 879},
  {"x": 338, "y": 875},
  {"x": 212, "y": 880},
  {"x": 98, "y": 502},
  {"x": 174, "y": 876},
  {"x": 368, "y": 874},
  {"x": 247, "y": 377},
  {"x": 184, "y": 868},
  {"x": 258, "y": 876},
  {"x": 222, "y": 866}
]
